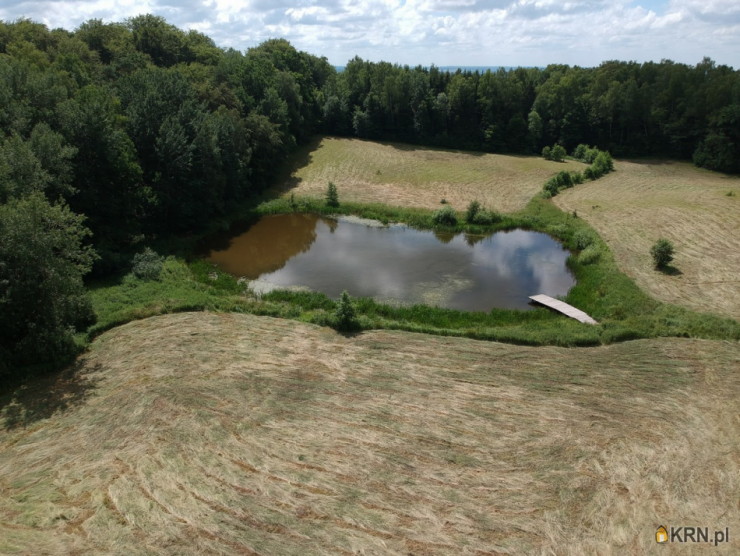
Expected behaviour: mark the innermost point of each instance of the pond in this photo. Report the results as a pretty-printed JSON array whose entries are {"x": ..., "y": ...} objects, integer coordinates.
[{"x": 395, "y": 264}]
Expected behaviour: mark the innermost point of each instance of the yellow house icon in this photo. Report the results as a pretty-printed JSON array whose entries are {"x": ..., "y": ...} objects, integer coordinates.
[{"x": 661, "y": 535}]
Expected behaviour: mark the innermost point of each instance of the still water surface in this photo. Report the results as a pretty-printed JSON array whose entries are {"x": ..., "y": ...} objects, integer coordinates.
[{"x": 396, "y": 264}]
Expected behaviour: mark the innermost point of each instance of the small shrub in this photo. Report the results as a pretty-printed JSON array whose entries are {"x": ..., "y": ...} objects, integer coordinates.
[
  {"x": 586, "y": 154},
  {"x": 730, "y": 193},
  {"x": 147, "y": 265},
  {"x": 596, "y": 171},
  {"x": 472, "y": 211},
  {"x": 332, "y": 196},
  {"x": 603, "y": 163},
  {"x": 589, "y": 255},
  {"x": 558, "y": 153},
  {"x": 583, "y": 238},
  {"x": 576, "y": 178},
  {"x": 579, "y": 153},
  {"x": 443, "y": 201},
  {"x": 445, "y": 216},
  {"x": 662, "y": 252},
  {"x": 345, "y": 314},
  {"x": 486, "y": 217},
  {"x": 493, "y": 216},
  {"x": 551, "y": 187},
  {"x": 564, "y": 179},
  {"x": 547, "y": 153},
  {"x": 591, "y": 155}
]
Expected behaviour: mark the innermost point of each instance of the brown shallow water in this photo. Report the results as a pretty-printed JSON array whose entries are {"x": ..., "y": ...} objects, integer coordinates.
[{"x": 396, "y": 264}]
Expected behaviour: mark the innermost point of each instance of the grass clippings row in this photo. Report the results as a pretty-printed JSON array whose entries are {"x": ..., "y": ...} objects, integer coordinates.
[{"x": 223, "y": 433}]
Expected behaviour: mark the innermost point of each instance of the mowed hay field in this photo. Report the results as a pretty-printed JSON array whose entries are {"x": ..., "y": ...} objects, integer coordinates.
[
  {"x": 411, "y": 176},
  {"x": 643, "y": 201},
  {"x": 235, "y": 434}
]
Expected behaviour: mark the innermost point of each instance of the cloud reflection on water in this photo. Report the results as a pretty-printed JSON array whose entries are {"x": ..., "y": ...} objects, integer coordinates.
[{"x": 400, "y": 264}]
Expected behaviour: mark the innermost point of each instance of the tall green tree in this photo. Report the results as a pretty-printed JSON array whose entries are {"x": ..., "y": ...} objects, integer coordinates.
[
  {"x": 534, "y": 128},
  {"x": 41, "y": 164},
  {"x": 107, "y": 175},
  {"x": 164, "y": 43},
  {"x": 163, "y": 118},
  {"x": 42, "y": 297}
]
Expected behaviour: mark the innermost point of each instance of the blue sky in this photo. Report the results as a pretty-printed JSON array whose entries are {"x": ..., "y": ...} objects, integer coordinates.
[
  {"x": 658, "y": 6},
  {"x": 444, "y": 32}
]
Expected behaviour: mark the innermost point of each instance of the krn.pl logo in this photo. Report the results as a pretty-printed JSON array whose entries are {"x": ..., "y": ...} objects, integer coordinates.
[
  {"x": 661, "y": 535},
  {"x": 686, "y": 534}
]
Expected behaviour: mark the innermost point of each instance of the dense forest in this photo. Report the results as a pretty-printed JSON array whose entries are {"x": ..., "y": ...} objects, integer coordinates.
[
  {"x": 116, "y": 133},
  {"x": 627, "y": 108}
]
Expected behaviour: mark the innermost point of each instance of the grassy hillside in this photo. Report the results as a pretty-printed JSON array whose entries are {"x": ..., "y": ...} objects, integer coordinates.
[
  {"x": 235, "y": 434},
  {"x": 645, "y": 200},
  {"x": 410, "y": 176}
]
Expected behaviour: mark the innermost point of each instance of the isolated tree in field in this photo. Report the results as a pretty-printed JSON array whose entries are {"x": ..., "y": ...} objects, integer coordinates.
[
  {"x": 662, "y": 252},
  {"x": 43, "y": 299},
  {"x": 547, "y": 153},
  {"x": 332, "y": 197},
  {"x": 345, "y": 312}
]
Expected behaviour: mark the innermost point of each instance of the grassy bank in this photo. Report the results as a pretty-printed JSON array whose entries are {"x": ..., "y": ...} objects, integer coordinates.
[{"x": 623, "y": 310}]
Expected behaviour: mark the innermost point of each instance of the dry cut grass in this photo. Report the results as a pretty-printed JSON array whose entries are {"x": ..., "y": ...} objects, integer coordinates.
[
  {"x": 643, "y": 201},
  {"x": 235, "y": 434},
  {"x": 410, "y": 176}
]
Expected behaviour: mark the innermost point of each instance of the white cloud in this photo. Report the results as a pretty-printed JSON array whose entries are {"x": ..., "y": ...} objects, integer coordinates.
[
  {"x": 445, "y": 32},
  {"x": 711, "y": 11}
]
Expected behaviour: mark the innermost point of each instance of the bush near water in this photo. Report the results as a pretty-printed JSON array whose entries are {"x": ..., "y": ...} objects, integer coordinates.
[{"x": 445, "y": 216}]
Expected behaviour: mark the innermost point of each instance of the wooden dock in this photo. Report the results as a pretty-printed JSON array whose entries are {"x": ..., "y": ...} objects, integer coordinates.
[{"x": 564, "y": 308}]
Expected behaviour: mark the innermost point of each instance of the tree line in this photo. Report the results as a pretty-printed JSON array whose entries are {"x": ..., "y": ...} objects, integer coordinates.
[
  {"x": 626, "y": 108},
  {"x": 116, "y": 133},
  {"x": 144, "y": 128},
  {"x": 120, "y": 132}
]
